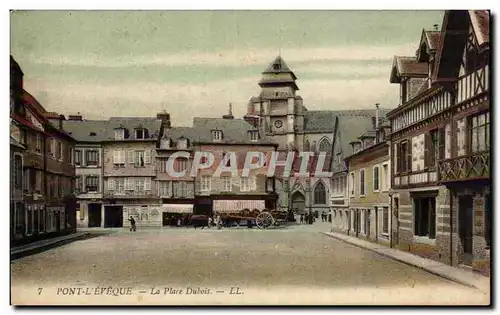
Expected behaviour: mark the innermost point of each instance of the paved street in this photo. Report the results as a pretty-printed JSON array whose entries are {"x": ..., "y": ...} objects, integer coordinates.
[{"x": 296, "y": 265}]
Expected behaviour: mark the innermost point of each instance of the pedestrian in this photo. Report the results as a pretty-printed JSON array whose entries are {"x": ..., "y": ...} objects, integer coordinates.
[
  {"x": 132, "y": 224},
  {"x": 210, "y": 221},
  {"x": 218, "y": 221},
  {"x": 178, "y": 222}
]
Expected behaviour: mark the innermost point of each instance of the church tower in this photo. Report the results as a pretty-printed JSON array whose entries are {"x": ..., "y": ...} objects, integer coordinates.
[{"x": 278, "y": 110}]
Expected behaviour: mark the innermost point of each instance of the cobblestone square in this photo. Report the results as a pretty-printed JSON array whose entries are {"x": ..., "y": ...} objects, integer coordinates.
[{"x": 293, "y": 265}]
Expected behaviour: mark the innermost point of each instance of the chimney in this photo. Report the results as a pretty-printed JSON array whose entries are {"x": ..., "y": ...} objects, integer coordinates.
[
  {"x": 436, "y": 27},
  {"x": 164, "y": 117},
  {"x": 61, "y": 118},
  {"x": 230, "y": 113},
  {"x": 377, "y": 115}
]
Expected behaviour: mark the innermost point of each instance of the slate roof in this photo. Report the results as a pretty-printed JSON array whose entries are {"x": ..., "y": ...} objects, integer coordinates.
[
  {"x": 480, "y": 20},
  {"x": 80, "y": 130},
  {"x": 433, "y": 38},
  {"x": 235, "y": 131},
  {"x": 323, "y": 120},
  {"x": 174, "y": 133},
  {"x": 283, "y": 67},
  {"x": 105, "y": 129},
  {"x": 352, "y": 123},
  {"x": 410, "y": 66}
]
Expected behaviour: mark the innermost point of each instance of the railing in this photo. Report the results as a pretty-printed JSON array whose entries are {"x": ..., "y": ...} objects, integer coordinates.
[
  {"x": 473, "y": 84},
  {"x": 416, "y": 178},
  {"x": 467, "y": 167}
]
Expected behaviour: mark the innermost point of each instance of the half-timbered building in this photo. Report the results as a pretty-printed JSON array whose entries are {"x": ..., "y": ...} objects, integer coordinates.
[{"x": 434, "y": 159}]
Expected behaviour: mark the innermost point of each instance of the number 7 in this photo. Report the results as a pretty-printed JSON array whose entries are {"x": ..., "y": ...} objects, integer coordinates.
[{"x": 40, "y": 291}]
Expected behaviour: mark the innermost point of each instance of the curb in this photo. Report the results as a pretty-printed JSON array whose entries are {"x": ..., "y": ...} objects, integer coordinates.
[
  {"x": 31, "y": 251},
  {"x": 444, "y": 276}
]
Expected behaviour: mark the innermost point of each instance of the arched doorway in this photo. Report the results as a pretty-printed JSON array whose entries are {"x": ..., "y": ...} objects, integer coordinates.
[{"x": 298, "y": 202}]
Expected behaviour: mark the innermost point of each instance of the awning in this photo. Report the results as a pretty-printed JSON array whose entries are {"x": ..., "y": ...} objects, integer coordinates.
[
  {"x": 238, "y": 205},
  {"x": 177, "y": 208}
]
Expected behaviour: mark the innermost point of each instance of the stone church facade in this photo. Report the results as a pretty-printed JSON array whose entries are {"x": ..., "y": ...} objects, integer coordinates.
[{"x": 279, "y": 113}]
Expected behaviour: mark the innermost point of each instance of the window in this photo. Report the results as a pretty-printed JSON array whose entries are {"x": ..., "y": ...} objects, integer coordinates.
[
  {"x": 362, "y": 183},
  {"x": 165, "y": 143},
  {"x": 277, "y": 66},
  {"x": 92, "y": 157},
  {"x": 164, "y": 188},
  {"x": 376, "y": 178},
  {"x": 385, "y": 220},
  {"x": 205, "y": 183},
  {"x": 320, "y": 194},
  {"x": 78, "y": 157},
  {"x": 404, "y": 157},
  {"x": 254, "y": 135},
  {"x": 142, "y": 185},
  {"x": 78, "y": 184},
  {"x": 52, "y": 148},
  {"x": 180, "y": 164},
  {"x": 385, "y": 178},
  {"x": 92, "y": 183},
  {"x": 119, "y": 157},
  {"x": 352, "y": 183},
  {"x": 431, "y": 149},
  {"x": 58, "y": 150},
  {"x": 182, "y": 143},
  {"x": 119, "y": 185},
  {"x": 71, "y": 156},
  {"x": 139, "y": 134},
  {"x": 425, "y": 217},
  {"x": 324, "y": 145},
  {"x": 217, "y": 134},
  {"x": 18, "y": 171},
  {"x": 119, "y": 134},
  {"x": 479, "y": 133},
  {"x": 38, "y": 146},
  {"x": 38, "y": 185},
  {"x": 139, "y": 158},
  {"x": 245, "y": 184},
  {"x": 226, "y": 183}
]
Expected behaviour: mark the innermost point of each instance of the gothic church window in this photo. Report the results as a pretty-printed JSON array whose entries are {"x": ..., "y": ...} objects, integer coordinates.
[
  {"x": 324, "y": 145},
  {"x": 320, "y": 194}
]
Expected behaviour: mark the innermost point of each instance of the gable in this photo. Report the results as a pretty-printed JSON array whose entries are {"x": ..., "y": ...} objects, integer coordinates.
[
  {"x": 32, "y": 119},
  {"x": 461, "y": 31}
]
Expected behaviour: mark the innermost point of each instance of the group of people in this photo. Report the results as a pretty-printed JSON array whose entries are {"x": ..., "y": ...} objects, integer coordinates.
[
  {"x": 324, "y": 217},
  {"x": 306, "y": 218}
]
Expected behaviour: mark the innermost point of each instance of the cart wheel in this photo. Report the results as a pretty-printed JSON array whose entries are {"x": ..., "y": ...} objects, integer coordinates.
[{"x": 264, "y": 220}]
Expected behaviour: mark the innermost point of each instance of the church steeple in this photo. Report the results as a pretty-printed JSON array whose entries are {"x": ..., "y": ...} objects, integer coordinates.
[
  {"x": 279, "y": 66},
  {"x": 278, "y": 74}
]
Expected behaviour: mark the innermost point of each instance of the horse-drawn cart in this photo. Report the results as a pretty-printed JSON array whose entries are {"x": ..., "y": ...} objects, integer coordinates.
[{"x": 263, "y": 219}]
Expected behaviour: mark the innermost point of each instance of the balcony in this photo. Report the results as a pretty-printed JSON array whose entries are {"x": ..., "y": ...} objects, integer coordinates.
[
  {"x": 468, "y": 167},
  {"x": 418, "y": 178}
]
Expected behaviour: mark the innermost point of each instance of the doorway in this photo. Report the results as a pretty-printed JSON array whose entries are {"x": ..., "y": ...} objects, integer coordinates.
[
  {"x": 95, "y": 214},
  {"x": 298, "y": 203},
  {"x": 465, "y": 232},
  {"x": 113, "y": 216}
]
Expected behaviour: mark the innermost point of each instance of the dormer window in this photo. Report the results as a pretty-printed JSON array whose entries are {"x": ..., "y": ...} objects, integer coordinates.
[
  {"x": 254, "y": 135},
  {"x": 119, "y": 134},
  {"x": 165, "y": 143},
  {"x": 92, "y": 134},
  {"x": 141, "y": 133},
  {"x": 217, "y": 135},
  {"x": 182, "y": 143},
  {"x": 277, "y": 66}
]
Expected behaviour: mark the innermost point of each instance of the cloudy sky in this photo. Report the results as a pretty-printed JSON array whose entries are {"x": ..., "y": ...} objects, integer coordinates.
[{"x": 193, "y": 63}]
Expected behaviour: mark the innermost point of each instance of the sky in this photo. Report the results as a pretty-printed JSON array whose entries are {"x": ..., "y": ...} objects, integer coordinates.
[{"x": 194, "y": 63}]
